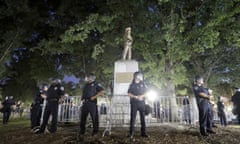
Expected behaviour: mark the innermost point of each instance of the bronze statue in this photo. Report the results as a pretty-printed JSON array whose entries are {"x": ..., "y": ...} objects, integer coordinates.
[{"x": 128, "y": 40}]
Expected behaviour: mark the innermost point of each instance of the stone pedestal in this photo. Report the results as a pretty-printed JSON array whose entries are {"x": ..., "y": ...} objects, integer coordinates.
[{"x": 123, "y": 75}]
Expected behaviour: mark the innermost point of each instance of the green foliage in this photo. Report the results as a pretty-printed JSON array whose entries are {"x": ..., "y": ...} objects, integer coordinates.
[
  {"x": 172, "y": 40},
  {"x": 80, "y": 32}
]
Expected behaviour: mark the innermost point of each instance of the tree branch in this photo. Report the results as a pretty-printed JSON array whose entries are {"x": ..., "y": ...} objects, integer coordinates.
[{"x": 7, "y": 50}]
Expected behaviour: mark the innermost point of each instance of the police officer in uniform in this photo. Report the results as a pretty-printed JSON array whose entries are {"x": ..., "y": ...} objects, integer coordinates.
[
  {"x": 54, "y": 93},
  {"x": 36, "y": 109},
  {"x": 91, "y": 91},
  {"x": 7, "y": 108},
  {"x": 236, "y": 103},
  {"x": 202, "y": 96},
  {"x": 136, "y": 92}
]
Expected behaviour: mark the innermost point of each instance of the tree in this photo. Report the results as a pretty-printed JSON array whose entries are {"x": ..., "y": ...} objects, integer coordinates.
[
  {"x": 216, "y": 46},
  {"x": 77, "y": 37}
]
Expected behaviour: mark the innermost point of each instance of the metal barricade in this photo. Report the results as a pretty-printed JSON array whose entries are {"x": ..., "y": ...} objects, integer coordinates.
[
  {"x": 115, "y": 111},
  {"x": 69, "y": 109},
  {"x": 173, "y": 110},
  {"x": 164, "y": 109}
]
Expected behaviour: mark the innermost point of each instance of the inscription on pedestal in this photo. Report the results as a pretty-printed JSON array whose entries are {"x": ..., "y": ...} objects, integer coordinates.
[{"x": 124, "y": 77}]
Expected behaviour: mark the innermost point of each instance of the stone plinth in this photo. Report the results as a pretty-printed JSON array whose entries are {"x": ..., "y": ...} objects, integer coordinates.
[{"x": 123, "y": 75}]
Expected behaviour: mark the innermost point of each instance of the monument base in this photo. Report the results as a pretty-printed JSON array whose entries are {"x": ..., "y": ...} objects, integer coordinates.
[{"x": 123, "y": 76}]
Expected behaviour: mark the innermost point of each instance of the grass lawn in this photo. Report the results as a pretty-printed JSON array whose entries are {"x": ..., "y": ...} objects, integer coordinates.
[{"x": 14, "y": 124}]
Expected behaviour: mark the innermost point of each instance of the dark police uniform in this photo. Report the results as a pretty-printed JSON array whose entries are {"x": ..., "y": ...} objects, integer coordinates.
[
  {"x": 137, "y": 105},
  {"x": 205, "y": 121},
  {"x": 7, "y": 104},
  {"x": 236, "y": 104},
  {"x": 54, "y": 93},
  {"x": 90, "y": 106},
  {"x": 36, "y": 109}
]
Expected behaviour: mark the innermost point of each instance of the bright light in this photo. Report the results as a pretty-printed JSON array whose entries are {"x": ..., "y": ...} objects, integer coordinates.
[{"x": 151, "y": 95}]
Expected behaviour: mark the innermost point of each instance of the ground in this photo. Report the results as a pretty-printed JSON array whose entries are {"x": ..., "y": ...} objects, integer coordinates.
[{"x": 18, "y": 132}]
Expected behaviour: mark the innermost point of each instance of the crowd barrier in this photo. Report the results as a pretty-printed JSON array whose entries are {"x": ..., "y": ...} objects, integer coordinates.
[{"x": 115, "y": 111}]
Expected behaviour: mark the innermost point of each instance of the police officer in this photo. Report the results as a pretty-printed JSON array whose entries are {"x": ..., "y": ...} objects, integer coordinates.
[
  {"x": 36, "y": 110},
  {"x": 236, "y": 103},
  {"x": 54, "y": 93},
  {"x": 7, "y": 106},
  {"x": 91, "y": 91},
  {"x": 136, "y": 92},
  {"x": 202, "y": 96}
]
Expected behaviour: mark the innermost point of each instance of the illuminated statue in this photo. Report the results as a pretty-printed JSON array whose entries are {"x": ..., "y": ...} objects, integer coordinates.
[{"x": 128, "y": 40}]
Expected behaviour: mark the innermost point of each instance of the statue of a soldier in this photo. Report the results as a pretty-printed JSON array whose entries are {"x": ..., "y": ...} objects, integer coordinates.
[{"x": 128, "y": 40}]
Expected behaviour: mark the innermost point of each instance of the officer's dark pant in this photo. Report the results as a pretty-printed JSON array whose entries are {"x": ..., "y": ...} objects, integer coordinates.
[
  {"x": 51, "y": 109},
  {"x": 97, "y": 117},
  {"x": 89, "y": 107},
  {"x": 6, "y": 115},
  {"x": 238, "y": 118},
  {"x": 137, "y": 106},
  {"x": 204, "y": 116},
  {"x": 36, "y": 115},
  {"x": 210, "y": 117}
]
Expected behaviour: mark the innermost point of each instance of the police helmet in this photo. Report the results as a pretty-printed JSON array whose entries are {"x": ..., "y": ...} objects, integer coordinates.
[
  {"x": 91, "y": 76},
  {"x": 54, "y": 80},
  {"x": 199, "y": 79},
  {"x": 44, "y": 86},
  {"x": 138, "y": 76}
]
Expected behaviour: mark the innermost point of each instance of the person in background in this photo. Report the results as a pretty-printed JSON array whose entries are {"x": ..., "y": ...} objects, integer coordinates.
[
  {"x": 19, "y": 108},
  {"x": 211, "y": 109},
  {"x": 136, "y": 92},
  {"x": 186, "y": 109},
  {"x": 221, "y": 111}
]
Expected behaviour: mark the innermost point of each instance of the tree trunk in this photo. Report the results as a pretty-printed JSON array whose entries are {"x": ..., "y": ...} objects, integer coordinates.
[{"x": 171, "y": 91}]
